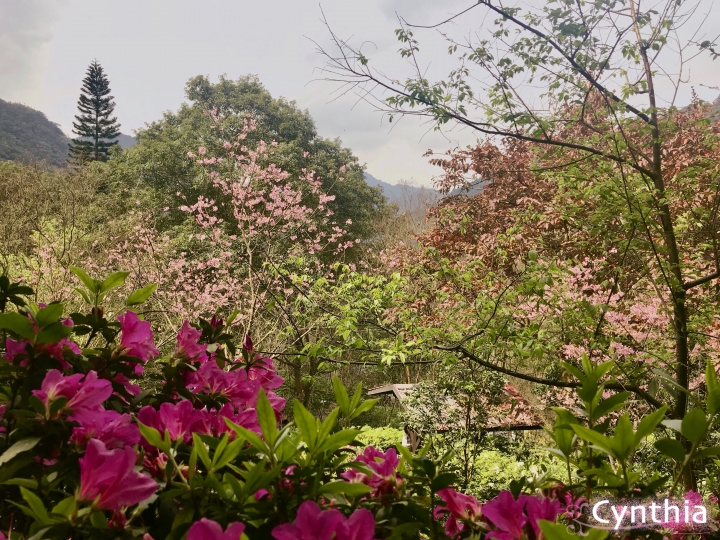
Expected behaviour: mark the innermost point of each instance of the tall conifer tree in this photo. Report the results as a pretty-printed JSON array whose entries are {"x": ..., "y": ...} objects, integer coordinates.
[{"x": 95, "y": 127}]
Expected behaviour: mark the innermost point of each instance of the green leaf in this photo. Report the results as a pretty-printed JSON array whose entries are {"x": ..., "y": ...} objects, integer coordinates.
[
  {"x": 339, "y": 439},
  {"x": 17, "y": 323},
  {"x": 671, "y": 448},
  {"x": 341, "y": 395},
  {"x": 153, "y": 437},
  {"x": 357, "y": 396},
  {"x": 65, "y": 507},
  {"x": 114, "y": 280},
  {"x": 599, "y": 440},
  {"x": 83, "y": 294},
  {"x": 92, "y": 285},
  {"x": 328, "y": 424},
  {"x": 352, "y": 489},
  {"x": 36, "y": 505},
  {"x": 443, "y": 480},
  {"x": 694, "y": 426},
  {"x": 364, "y": 407},
  {"x": 229, "y": 453},
  {"x": 98, "y": 520},
  {"x": 648, "y": 424},
  {"x": 713, "y": 389},
  {"x": 611, "y": 404},
  {"x": 406, "y": 530},
  {"x": 54, "y": 333},
  {"x": 559, "y": 531},
  {"x": 306, "y": 424},
  {"x": 48, "y": 315},
  {"x": 623, "y": 440},
  {"x": 21, "y": 446},
  {"x": 24, "y": 482},
  {"x": 266, "y": 418},
  {"x": 199, "y": 446},
  {"x": 707, "y": 452},
  {"x": 141, "y": 295},
  {"x": 250, "y": 436}
]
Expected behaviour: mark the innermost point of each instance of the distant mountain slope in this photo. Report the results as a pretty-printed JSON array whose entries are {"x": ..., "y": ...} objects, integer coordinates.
[
  {"x": 399, "y": 193},
  {"x": 27, "y": 135},
  {"x": 126, "y": 141}
]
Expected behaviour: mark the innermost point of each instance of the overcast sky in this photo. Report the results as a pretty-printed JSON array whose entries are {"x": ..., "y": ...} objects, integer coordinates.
[{"x": 150, "y": 48}]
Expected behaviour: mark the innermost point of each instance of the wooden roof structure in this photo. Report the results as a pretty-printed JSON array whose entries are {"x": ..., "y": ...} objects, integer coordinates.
[{"x": 513, "y": 414}]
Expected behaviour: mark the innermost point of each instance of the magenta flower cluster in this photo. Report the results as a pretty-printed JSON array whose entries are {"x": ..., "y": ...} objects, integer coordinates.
[{"x": 504, "y": 517}]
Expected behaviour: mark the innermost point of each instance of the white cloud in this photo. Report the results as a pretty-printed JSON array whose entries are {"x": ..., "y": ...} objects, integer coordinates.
[{"x": 25, "y": 33}]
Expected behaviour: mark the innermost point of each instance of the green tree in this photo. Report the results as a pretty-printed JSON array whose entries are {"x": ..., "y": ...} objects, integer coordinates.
[
  {"x": 587, "y": 84},
  {"x": 160, "y": 166},
  {"x": 95, "y": 127}
]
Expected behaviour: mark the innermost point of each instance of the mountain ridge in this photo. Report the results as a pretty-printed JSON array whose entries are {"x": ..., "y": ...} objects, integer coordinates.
[{"x": 28, "y": 135}]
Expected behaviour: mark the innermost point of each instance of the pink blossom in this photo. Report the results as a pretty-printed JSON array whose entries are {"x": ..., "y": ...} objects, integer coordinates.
[
  {"x": 177, "y": 418},
  {"x": 537, "y": 509},
  {"x": 384, "y": 466},
  {"x": 187, "y": 343},
  {"x": 207, "y": 529},
  {"x": 56, "y": 350},
  {"x": 107, "y": 477},
  {"x": 136, "y": 338},
  {"x": 130, "y": 388},
  {"x": 507, "y": 515},
  {"x": 113, "y": 429},
  {"x": 15, "y": 348},
  {"x": 234, "y": 385},
  {"x": 214, "y": 423},
  {"x": 88, "y": 394},
  {"x": 312, "y": 523},
  {"x": 460, "y": 507}
]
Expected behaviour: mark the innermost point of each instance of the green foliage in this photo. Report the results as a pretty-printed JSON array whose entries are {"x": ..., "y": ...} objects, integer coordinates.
[
  {"x": 381, "y": 437},
  {"x": 160, "y": 159}
]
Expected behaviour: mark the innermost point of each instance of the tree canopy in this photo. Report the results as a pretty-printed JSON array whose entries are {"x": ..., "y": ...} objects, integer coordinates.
[{"x": 160, "y": 161}]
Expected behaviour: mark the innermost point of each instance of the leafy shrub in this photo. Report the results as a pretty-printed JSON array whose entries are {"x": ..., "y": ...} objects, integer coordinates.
[
  {"x": 381, "y": 437},
  {"x": 89, "y": 454}
]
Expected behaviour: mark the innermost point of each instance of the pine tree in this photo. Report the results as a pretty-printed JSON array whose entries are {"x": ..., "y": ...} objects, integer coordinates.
[{"x": 95, "y": 128}]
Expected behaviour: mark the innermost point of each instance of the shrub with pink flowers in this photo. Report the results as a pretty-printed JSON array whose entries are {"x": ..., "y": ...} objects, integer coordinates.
[{"x": 90, "y": 450}]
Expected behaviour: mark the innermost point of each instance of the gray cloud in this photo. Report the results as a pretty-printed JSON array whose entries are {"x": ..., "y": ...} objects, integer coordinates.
[{"x": 25, "y": 30}]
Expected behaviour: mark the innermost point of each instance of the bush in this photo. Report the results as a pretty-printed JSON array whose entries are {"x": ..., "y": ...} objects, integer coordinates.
[
  {"x": 89, "y": 454},
  {"x": 381, "y": 437}
]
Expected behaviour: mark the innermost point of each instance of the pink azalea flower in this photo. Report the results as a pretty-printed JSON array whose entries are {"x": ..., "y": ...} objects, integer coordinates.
[
  {"x": 507, "y": 515},
  {"x": 107, "y": 478},
  {"x": 235, "y": 386},
  {"x": 311, "y": 523},
  {"x": 207, "y": 529},
  {"x": 56, "y": 350},
  {"x": 460, "y": 507},
  {"x": 130, "y": 388},
  {"x": 187, "y": 343},
  {"x": 15, "y": 348},
  {"x": 88, "y": 394},
  {"x": 537, "y": 509},
  {"x": 264, "y": 372},
  {"x": 113, "y": 429},
  {"x": 136, "y": 338},
  {"x": 384, "y": 466},
  {"x": 177, "y": 418}
]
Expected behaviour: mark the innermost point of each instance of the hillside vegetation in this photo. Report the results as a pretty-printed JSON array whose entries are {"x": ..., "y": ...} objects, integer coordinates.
[{"x": 27, "y": 135}]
